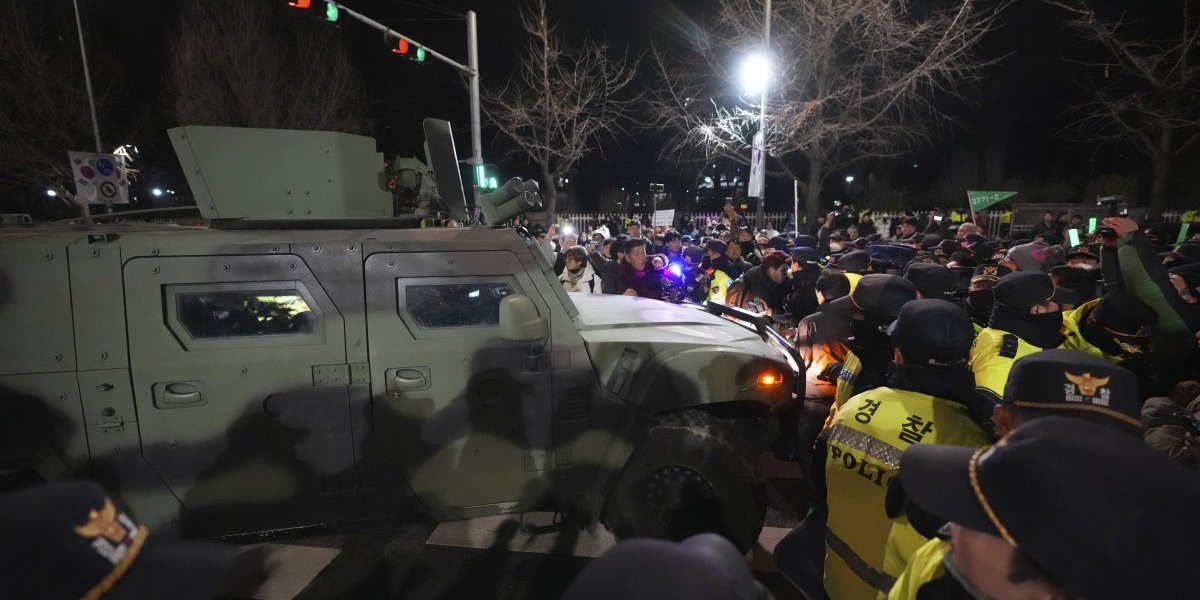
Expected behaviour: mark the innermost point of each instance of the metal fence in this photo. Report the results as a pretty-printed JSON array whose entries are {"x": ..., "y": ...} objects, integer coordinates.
[{"x": 995, "y": 223}]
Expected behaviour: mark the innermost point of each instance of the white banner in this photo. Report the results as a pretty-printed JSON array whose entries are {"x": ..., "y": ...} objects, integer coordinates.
[
  {"x": 757, "y": 172},
  {"x": 664, "y": 218},
  {"x": 99, "y": 177}
]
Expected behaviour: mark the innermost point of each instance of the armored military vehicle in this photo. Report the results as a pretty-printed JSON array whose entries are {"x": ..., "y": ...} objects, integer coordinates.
[{"x": 306, "y": 359}]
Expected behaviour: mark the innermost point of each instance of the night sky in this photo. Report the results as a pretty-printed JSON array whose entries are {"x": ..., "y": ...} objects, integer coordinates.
[{"x": 1024, "y": 99}]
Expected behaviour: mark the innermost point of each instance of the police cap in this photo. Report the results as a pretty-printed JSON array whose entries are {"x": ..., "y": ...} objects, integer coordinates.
[
  {"x": 1103, "y": 513},
  {"x": 946, "y": 248},
  {"x": 1023, "y": 290},
  {"x": 932, "y": 333},
  {"x": 806, "y": 241},
  {"x": 932, "y": 280},
  {"x": 880, "y": 296},
  {"x": 70, "y": 539},
  {"x": 716, "y": 246},
  {"x": 1127, "y": 318},
  {"x": 990, "y": 273},
  {"x": 805, "y": 255},
  {"x": 854, "y": 262},
  {"x": 1071, "y": 383},
  {"x": 778, "y": 243}
]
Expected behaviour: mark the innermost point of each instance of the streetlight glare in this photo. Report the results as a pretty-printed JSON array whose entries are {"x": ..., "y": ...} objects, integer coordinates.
[
  {"x": 755, "y": 74},
  {"x": 156, "y": 192},
  {"x": 51, "y": 193},
  {"x": 849, "y": 179}
]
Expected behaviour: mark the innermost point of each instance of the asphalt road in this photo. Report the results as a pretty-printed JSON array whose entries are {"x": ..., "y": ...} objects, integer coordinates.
[{"x": 501, "y": 557}]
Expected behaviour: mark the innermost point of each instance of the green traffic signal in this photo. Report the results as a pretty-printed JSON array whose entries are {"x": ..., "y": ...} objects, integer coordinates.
[
  {"x": 331, "y": 12},
  {"x": 420, "y": 54}
]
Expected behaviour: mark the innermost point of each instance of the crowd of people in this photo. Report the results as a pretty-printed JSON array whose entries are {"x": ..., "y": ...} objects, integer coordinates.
[{"x": 983, "y": 418}]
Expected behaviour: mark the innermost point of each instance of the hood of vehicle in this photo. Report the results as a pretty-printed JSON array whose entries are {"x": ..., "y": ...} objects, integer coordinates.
[{"x": 608, "y": 318}]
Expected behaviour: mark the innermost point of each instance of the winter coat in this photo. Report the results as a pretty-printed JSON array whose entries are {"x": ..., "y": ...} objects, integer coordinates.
[
  {"x": 1163, "y": 432},
  {"x": 586, "y": 281},
  {"x": 606, "y": 268}
]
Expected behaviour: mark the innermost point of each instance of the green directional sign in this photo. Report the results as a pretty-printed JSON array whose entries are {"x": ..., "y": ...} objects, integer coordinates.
[{"x": 982, "y": 200}]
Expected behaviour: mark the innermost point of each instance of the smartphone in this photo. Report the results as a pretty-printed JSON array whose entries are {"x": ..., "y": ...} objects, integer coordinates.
[
  {"x": 1092, "y": 223},
  {"x": 1189, "y": 420}
]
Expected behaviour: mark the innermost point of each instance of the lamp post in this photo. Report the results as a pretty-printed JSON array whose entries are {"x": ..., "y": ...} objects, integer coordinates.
[{"x": 756, "y": 79}]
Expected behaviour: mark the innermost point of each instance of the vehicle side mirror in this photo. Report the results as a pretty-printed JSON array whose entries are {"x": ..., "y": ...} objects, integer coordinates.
[{"x": 519, "y": 319}]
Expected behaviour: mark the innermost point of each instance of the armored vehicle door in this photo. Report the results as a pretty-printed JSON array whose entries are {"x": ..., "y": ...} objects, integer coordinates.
[
  {"x": 240, "y": 381},
  {"x": 465, "y": 413}
]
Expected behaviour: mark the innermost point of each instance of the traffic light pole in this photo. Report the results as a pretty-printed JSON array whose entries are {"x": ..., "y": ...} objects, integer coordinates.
[{"x": 471, "y": 69}]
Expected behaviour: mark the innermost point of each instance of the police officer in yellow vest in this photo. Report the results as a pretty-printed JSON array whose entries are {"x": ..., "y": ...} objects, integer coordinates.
[
  {"x": 980, "y": 301},
  {"x": 1050, "y": 383},
  {"x": 720, "y": 270},
  {"x": 1117, "y": 326},
  {"x": 923, "y": 400},
  {"x": 1025, "y": 319},
  {"x": 876, "y": 300}
]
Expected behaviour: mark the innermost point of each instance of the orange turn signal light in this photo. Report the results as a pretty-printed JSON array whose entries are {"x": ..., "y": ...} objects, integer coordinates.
[{"x": 769, "y": 380}]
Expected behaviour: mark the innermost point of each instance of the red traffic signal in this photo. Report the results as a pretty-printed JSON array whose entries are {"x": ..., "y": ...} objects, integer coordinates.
[
  {"x": 409, "y": 50},
  {"x": 301, "y": 4}
]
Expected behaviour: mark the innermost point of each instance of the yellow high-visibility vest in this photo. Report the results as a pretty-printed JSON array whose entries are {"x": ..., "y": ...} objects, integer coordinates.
[{"x": 864, "y": 444}]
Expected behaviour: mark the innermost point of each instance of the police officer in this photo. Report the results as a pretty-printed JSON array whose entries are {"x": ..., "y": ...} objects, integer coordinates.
[
  {"x": 924, "y": 400},
  {"x": 1118, "y": 326},
  {"x": 720, "y": 270},
  {"x": 980, "y": 301},
  {"x": 1025, "y": 319},
  {"x": 1118, "y": 520},
  {"x": 877, "y": 300},
  {"x": 1049, "y": 383}
]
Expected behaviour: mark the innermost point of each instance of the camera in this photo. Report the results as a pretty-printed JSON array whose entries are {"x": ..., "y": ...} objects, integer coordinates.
[{"x": 1115, "y": 204}]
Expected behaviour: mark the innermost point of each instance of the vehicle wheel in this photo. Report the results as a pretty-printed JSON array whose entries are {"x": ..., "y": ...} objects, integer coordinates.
[{"x": 690, "y": 475}]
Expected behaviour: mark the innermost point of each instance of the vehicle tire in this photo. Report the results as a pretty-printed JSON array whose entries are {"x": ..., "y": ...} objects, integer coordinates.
[{"x": 691, "y": 474}]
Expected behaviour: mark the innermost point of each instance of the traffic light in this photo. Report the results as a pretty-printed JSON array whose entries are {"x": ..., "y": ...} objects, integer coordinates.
[
  {"x": 409, "y": 50},
  {"x": 331, "y": 10},
  {"x": 485, "y": 177}
]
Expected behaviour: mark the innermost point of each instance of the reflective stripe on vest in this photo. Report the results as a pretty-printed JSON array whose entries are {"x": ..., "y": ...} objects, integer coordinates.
[
  {"x": 875, "y": 578},
  {"x": 846, "y": 377}
]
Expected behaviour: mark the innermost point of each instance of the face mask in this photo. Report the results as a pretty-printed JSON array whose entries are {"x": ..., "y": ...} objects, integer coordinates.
[
  {"x": 869, "y": 336},
  {"x": 1047, "y": 321},
  {"x": 980, "y": 302},
  {"x": 970, "y": 588},
  {"x": 835, "y": 247}
]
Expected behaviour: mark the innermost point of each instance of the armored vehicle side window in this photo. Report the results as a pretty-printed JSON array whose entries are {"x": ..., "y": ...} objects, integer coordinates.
[
  {"x": 245, "y": 313},
  {"x": 458, "y": 304}
]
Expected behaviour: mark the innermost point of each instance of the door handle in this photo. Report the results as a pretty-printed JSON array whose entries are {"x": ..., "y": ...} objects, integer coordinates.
[
  {"x": 179, "y": 394},
  {"x": 410, "y": 379}
]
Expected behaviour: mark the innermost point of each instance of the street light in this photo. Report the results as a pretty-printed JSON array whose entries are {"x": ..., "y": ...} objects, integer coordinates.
[
  {"x": 157, "y": 192},
  {"x": 51, "y": 193},
  {"x": 849, "y": 179},
  {"x": 755, "y": 74}
]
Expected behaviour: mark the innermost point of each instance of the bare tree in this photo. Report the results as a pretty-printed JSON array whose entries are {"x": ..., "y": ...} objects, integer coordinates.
[
  {"x": 232, "y": 64},
  {"x": 853, "y": 80},
  {"x": 43, "y": 103},
  {"x": 562, "y": 102},
  {"x": 1147, "y": 92}
]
